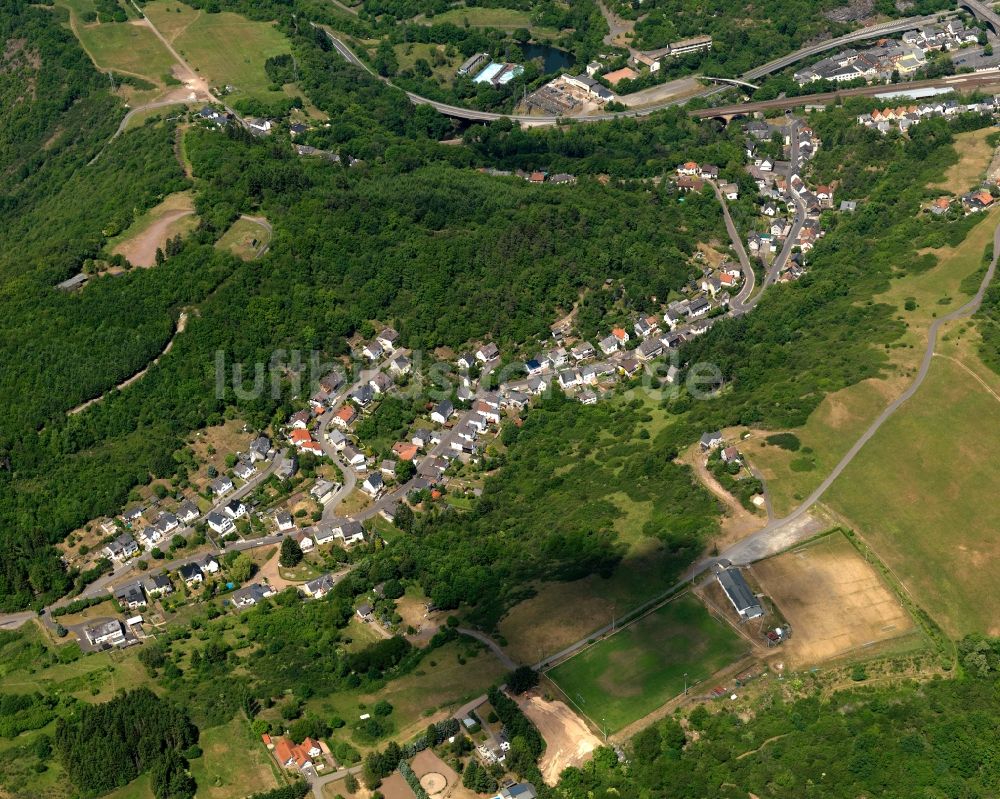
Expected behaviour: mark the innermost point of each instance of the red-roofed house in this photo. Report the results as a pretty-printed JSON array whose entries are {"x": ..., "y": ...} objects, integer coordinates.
[
  {"x": 404, "y": 450},
  {"x": 621, "y": 334},
  {"x": 300, "y": 437},
  {"x": 689, "y": 168},
  {"x": 345, "y": 416},
  {"x": 313, "y": 447},
  {"x": 298, "y": 756}
]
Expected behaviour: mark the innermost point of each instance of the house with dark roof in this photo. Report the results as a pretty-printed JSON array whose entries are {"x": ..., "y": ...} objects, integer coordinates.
[
  {"x": 191, "y": 573},
  {"x": 131, "y": 596},
  {"x": 711, "y": 440}
]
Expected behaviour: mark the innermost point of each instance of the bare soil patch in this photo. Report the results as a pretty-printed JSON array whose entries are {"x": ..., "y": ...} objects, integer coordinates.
[
  {"x": 834, "y": 600},
  {"x": 434, "y": 774},
  {"x": 395, "y": 787},
  {"x": 149, "y": 233},
  {"x": 738, "y": 522},
  {"x": 569, "y": 742}
]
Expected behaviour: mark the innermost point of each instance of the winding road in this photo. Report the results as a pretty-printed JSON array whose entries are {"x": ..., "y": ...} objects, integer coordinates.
[
  {"x": 870, "y": 32},
  {"x": 762, "y": 543},
  {"x": 181, "y": 324},
  {"x": 739, "y": 303}
]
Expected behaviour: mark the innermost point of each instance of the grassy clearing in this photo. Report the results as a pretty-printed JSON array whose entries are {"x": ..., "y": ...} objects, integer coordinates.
[
  {"x": 627, "y": 676},
  {"x": 141, "y": 788},
  {"x": 844, "y": 415},
  {"x": 441, "y": 682},
  {"x": 561, "y": 613},
  {"x": 922, "y": 492},
  {"x": 502, "y": 18},
  {"x": 245, "y": 239},
  {"x": 223, "y": 48},
  {"x": 442, "y": 66},
  {"x": 120, "y": 46},
  {"x": 234, "y": 763},
  {"x": 975, "y": 155}
]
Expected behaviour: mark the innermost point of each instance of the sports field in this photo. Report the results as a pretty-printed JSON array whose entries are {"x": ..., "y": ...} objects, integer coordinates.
[
  {"x": 923, "y": 494},
  {"x": 224, "y": 48},
  {"x": 630, "y": 674},
  {"x": 834, "y": 600}
]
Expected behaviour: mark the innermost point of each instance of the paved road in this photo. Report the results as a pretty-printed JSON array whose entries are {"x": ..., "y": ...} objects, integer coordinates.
[
  {"x": 963, "y": 83},
  {"x": 870, "y": 32},
  {"x": 794, "y": 168},
  {"x": 753, "y": 547},
  {"x": 738, "y": 303},
  {"x": 497, "y": 650},
  {"x": 799, "y": 526},
  {"x": 773, "y": 66}
]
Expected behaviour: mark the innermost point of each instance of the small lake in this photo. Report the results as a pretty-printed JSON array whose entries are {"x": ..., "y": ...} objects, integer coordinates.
[{"x": 553, "y": 59}]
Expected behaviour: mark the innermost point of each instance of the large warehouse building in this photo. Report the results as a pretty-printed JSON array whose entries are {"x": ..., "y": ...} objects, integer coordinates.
[{"x": 739, "y": 593}]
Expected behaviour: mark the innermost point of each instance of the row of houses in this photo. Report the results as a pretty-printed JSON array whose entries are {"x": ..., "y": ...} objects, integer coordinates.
[
  {"x": 903, "y": 117},
  {"x": 138, "y": 593},
  {"x": 889, "y": 56}
]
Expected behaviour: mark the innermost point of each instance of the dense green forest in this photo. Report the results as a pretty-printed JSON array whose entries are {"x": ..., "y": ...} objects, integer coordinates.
[{"x": 105, "y": 746}]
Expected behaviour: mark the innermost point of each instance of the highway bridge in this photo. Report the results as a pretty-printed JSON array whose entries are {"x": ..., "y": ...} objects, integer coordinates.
[
  {"x": 860, "y": 35},
  {"x": 964, "y": 82},
  {"x": 984, "y": 12}
]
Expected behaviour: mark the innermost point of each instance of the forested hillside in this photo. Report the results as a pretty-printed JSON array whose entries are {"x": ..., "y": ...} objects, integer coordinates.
[{"x": 415, "y": 236}]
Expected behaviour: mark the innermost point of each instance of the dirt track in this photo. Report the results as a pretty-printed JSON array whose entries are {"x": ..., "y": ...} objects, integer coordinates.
[
  {"x": 568, "y": 740},
  {"x": 181, "y": 324},
  {"x": 141, "y": 251}
]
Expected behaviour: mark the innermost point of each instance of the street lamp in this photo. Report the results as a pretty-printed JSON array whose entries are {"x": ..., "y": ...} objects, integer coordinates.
[{"x": 685, "y": 683}]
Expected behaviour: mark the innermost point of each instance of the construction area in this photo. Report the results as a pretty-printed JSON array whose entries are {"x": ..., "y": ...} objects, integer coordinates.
[{"x": 560, "y": 97}]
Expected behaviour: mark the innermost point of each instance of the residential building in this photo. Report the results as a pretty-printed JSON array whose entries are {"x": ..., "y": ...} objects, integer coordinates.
[
  {"x": 221, "y": 486},
  {"x": 131, "y": 596},
  {"x": 487, "y": 352},
  {"x": 191, "y": 573},
  {"x": 222, "y": 525},
  {"x": 387, "y": 339},
  {"x": 712, "y": 440},
  {"x": 122, "y": 548},
  {"x": 318, "y": 588},
  {"x": 350, "y": 531},
  {"x": 442, "y": 412},
  {"x": 235, "y": 509},
  {"x": 157, "y": 585},
  {"x": 373, "y": 484},
  {"x": 187, "y": 511},
  {"x": 110, "y": 633}
]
